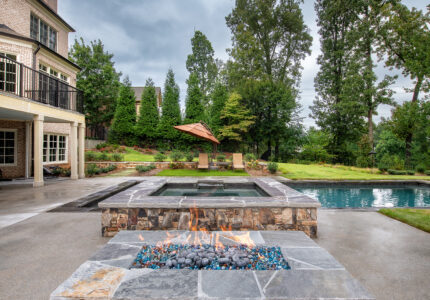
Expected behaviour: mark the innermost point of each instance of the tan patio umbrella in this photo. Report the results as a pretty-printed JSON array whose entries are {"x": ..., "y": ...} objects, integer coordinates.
[{"x": 199, "y": 130}]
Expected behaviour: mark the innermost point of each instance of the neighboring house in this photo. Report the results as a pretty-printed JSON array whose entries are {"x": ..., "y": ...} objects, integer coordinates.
[
  {"x": 138, "y": 90},
  {"x": 41, "y": 119}
]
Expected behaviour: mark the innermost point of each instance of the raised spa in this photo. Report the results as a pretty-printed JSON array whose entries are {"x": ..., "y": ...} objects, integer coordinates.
[
  {"x": 209, "y": 204},
  {"x": 210, "y": 189}
]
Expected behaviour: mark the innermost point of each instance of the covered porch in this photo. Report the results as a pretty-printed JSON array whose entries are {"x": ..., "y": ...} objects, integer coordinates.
[{"x": 22, "y": 138}]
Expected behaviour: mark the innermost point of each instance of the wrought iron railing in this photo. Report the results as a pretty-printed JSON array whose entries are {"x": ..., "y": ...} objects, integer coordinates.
[{"x": 16, "y": 78}]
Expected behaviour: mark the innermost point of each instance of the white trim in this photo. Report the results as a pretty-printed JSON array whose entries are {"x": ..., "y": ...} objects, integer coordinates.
[
  {"x": 15, "y": 154},
  {"x": 66, "y": 152}
]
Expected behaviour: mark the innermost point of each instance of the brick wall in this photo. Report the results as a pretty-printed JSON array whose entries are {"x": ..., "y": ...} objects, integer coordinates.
[
  {"x": 16, "y": 15},
  {"x": 19, "y": 169},
  {"x": 23, "y": 51}
]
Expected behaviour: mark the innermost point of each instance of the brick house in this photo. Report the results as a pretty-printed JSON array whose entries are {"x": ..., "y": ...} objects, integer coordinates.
[
  {"x": 138, "y": 91},
  {"x": 41, "y": 119}
]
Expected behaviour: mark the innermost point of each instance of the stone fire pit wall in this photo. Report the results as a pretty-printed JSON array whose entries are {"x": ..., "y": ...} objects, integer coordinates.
[{"x": 136, "y": 209}]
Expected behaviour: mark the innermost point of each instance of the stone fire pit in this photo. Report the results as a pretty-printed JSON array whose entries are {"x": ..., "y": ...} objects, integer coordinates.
[
  {"x": 313, "y": 273},
  {"x": 281, "y": 208}
]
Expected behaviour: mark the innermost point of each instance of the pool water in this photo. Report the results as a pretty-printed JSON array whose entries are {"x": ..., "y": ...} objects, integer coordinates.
[
  {"x": 210, "y": 192},
  {"x": 368, "y": 196}
]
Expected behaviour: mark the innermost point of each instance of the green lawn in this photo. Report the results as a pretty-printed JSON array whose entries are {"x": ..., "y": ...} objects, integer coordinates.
[
  {"x": 134, "y": 155},
  {"x": 196, "y": 172},
  {"x": 419, "y": 218},
  {"x": 298, "y": 171}
]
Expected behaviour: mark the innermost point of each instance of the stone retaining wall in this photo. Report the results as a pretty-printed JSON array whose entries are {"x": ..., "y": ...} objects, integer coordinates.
[{"x": 211, "y": 219}]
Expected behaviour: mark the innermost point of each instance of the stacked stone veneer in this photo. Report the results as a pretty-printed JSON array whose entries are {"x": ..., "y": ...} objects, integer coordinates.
[
  {"x": 137, "y": 209},
  {"x": 210, "y": 219}
]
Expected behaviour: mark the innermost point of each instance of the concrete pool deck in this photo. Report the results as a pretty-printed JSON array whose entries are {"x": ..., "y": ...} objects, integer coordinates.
[{"x": 389, "y": 258}]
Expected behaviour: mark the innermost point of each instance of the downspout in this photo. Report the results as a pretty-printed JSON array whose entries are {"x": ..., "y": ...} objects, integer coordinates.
[{"x": 34, "y": 55}]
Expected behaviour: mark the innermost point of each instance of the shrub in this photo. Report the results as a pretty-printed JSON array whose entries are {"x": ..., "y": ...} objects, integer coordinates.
[
  {"x": 117, "y": 157},
  {"x": 189, "y": 156},
  {"x": 90, "y": 156},
  {"x": 427, "y": 172},
  {"x": 220, "y": 157},
  {"x": 384, "y": 163},
  {"x": 397, "y": 172},
  {"x": 176, "y": 165},
  {"x": 66, "y": 172},
  {"x": 176, "y": 155},
  {"x": 57, "y": 171},
  {"x": 249, "y": 157},
  {"x": 143, "y": 169},
  {"x": 420, "y": 168},
  {"x": 410, "y": 172},
  {"x": 272, "y": 167},
  {"x": 102, "y": 156},
  {"x": 101, "y": 145},
  {"x": 160, "y": 157},
  {"x": 92, "y": 169}
]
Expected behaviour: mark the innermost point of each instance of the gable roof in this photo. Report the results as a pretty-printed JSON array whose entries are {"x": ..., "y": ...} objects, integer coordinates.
[
  {"x": 46, "y": 6},
  {"x": 138, "y": 90}
]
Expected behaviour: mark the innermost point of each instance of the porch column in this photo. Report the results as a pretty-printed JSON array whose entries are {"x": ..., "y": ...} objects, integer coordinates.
[
  {"x": 74, "y": 151},
  {"x": 81, "y": 153},
  {"x": 28, "y": 135},
  {"x": 38, "y": 150}
]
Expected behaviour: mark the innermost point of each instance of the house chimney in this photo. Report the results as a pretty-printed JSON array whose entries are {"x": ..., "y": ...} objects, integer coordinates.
[{"x": 52, "y": 4}]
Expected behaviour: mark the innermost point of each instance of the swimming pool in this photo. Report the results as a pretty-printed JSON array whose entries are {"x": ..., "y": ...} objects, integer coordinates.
[{"x": 353, "y": 196}]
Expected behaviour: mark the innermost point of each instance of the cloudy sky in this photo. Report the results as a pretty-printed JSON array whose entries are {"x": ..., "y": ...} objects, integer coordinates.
[{"x": 148, "y": 36}]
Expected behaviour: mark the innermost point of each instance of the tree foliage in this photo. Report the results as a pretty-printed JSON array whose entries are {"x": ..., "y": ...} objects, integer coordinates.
[
  {"x": 201, "y": 62},
  {"x": 237, "y": 119},
  {"x": 122, "y": 130},
  {"x": 218, "y": 97},
  {"x": 194, "y": 111},
  {"x": 171, "y": 112},
  {"x": 98, "y": 80},
  {"x": 270, "y": 39},
  {"x": 148, "y": 117}
]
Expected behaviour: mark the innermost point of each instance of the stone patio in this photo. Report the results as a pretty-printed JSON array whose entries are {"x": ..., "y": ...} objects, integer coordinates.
[
  {"x": 137, "y": 209},
  {"x": 314, "y": 273}
]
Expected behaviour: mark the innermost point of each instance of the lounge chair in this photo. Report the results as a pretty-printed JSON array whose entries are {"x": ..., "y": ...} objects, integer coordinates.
[
  {"x": 238, "y": 161},
  {"x": 203, "y": 161}
]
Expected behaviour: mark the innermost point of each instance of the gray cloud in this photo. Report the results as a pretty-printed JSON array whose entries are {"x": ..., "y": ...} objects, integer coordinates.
[{"x": 147, "y": 37}]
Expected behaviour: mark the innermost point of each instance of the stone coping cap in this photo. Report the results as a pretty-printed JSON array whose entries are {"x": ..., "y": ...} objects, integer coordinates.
[{"x": 139, "y": 196}]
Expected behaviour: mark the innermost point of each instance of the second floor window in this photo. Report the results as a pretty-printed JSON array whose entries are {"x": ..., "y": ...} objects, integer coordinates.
[{"x": 42, "y": 32}]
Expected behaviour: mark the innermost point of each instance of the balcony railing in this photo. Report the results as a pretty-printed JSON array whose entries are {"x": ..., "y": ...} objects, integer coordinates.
[{"x": 18, "y": 79}]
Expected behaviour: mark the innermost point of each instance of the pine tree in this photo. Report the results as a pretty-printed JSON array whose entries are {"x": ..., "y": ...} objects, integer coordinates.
[
  {"x": 194, "y": 111},
  {"x": 201, "y": 62},
  {"x": 148, "y": 116},
  {"x": 171, "y": 113},
  {"x": 237, "y": 119},
  {"x": 219, "y": 97},
  {"x": 122, "y": 129}
]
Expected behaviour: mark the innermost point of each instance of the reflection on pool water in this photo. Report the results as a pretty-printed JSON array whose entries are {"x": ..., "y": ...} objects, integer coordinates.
[{"x": 368, "y": 196}]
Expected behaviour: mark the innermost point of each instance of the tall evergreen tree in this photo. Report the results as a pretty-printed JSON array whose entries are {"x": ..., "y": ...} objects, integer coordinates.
[
  {"x": 336, "y": 109},
  {"x": 148, "y": 117},
  {"x": 124, "y": 121},
  {"x": 194, "y": 111},
  {"x": 201, "y": 62},
  {"x": 219, "y": 97},
  {"x": 98, "y": 80},
  {"x": 171, "y": 112}
]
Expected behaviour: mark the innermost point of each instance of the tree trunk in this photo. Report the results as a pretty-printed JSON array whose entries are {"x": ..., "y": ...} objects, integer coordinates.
[
  {"x": 370, "y": 123},
  {"x": 409, "y": 137},
  {"x": 277, "y": 150},
  {"x": 269, "y": 147}
]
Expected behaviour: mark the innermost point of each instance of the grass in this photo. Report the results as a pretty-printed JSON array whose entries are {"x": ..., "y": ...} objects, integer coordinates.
[
  {"x": 337, "y": 172},
  {"x": 419, "y": 218},
  {"x": 196, "y": 172}
]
